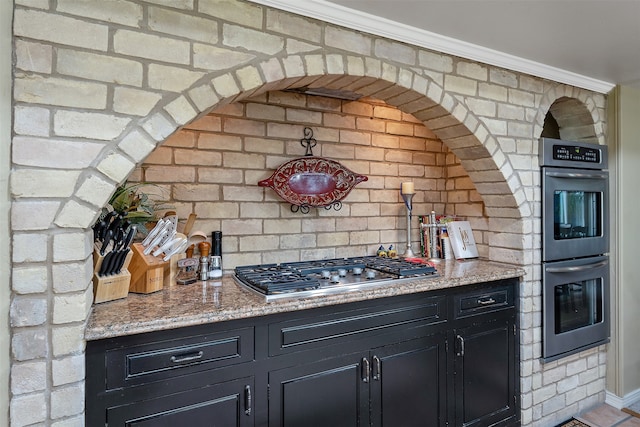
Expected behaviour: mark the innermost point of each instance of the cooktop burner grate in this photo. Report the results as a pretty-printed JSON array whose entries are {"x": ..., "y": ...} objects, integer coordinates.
[
  {"x": 398, "y": 266},
  {"x": 306, "y": 277}
]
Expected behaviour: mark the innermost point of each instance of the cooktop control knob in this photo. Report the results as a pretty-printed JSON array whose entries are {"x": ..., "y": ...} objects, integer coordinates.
[
  {"x": 371, "y": 274},
  {"x": 335, "y": 279},
  {"x": 342, "y": 272},
  {"x": 357, "y": 271},
  {"x": 325, "y": 274}
]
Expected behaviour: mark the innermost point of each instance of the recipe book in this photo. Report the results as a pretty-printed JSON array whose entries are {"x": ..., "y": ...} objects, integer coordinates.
[{"x": 462, "y": 241}]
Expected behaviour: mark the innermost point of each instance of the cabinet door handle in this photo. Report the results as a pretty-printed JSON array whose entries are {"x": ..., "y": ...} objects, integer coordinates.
[
  {"x": 247, "y": 400},
  {"x": 486, "y": 301},
  {"x": 365, "y": 370},
  {"x": 460, "y": 346},
  {"x": 376, "y": 368},
  {"x": 188, "y": 357}
]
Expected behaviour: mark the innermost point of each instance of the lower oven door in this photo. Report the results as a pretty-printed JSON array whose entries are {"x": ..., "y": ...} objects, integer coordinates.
[{"x": 575, "y": 306}]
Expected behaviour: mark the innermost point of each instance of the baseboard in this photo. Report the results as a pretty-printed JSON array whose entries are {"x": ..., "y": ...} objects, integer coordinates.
[{"x": 622, "y": 402}]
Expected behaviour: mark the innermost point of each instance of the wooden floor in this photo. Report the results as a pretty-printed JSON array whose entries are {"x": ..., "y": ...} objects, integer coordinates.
[{"x": 608, "y": 416}]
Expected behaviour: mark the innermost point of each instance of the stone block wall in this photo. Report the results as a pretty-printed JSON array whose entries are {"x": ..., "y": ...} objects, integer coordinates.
[
  {"x": 98, "y": 86},
  {"x": 212, "y": 166}
]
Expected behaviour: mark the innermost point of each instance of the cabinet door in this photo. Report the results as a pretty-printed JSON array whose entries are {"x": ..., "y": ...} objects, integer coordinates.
[
  {"x": 409, "y": 383},
  {"x": 332, "y": 392},
  {"x": 485, "y": 374},
  {"x": 227, "y": 404}
]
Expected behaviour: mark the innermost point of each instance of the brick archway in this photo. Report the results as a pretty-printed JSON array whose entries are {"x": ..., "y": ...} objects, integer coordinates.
[
  {"x": 453, "y": 122},
  {"x": 578, "y": 115}
]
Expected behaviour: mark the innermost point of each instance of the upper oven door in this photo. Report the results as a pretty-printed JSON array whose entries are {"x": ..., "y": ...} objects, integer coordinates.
[{"x": 575, "y": 213}]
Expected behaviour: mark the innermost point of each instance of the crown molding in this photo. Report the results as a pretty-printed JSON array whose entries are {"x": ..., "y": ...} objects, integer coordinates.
[{"x": 357, "y": 20}]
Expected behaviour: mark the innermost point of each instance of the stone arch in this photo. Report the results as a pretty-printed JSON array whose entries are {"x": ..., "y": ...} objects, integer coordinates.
[
  {"x": 445, "y": 114},
  {"x": 576, "y": 112}
]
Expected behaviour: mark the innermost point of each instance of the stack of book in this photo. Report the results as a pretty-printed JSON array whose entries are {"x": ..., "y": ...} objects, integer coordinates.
[{"x": 444, "y": 237}]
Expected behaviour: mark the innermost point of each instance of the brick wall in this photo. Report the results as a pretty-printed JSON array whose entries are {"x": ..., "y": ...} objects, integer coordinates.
[
  {"x": 99, "y": 86},
  {"x": 212, "y": 166}
]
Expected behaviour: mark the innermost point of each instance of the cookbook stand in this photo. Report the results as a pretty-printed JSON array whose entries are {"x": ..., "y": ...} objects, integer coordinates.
[{"x": 112, "y": 287}]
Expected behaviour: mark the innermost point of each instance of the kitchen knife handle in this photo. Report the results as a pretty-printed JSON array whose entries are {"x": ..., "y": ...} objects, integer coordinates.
[
  {"x": 105, "y": 264},
  {"x": 130, "y": 235},
  {"x": 122, "y": 256},
  {"x": 155, "y": 242},
  {"x": 152, "y": 234},
  {"x": 107, "y": 222},
  {"x": 365, "y": 370},
  {"x": 98, "y": 230},
  {"x": 376, "y": 368},
  {"x": 247, "y": 399},
  {"x": 105, "y": 242},
  {"x": 118, "y": 239},
  {"x": 112, "y": 264}
]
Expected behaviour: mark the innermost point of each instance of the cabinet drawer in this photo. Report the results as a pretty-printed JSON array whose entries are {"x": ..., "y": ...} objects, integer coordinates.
[
  {"x": 214, "y": 404},
  {"x": 483, "y": 301},
  {"x": 164, "y": 359},
  {"x": 328, "y": 329}
]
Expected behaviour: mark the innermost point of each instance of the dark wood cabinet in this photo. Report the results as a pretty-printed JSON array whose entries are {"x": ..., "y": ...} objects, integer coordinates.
[
  {"x": 485, "y": 376},
  {"x": 226, "y": 404},
  {"x": 319, "y": 394},
  {"x": 402, "y": 384},
  {"x": 486, "y": 357},
  {"x": 409, "y": 383},
  {"x": 440, "y": 358}
]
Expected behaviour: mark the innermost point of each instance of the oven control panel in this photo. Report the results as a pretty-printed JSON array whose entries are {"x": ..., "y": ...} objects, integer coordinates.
[{"x": 574, "y": 153}]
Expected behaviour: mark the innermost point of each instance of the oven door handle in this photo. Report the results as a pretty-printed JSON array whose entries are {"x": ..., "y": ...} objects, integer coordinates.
[
  {"x": 576, "y": 268},
  {"x": 555, "y": 174}
]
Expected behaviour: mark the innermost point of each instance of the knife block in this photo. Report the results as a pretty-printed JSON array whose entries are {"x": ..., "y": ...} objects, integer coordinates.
[
  {"x": 147, "y": 271},
  {"x": 109, "y": 288}
]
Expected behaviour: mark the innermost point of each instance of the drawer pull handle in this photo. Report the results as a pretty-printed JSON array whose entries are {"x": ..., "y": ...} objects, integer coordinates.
[
  {"x": 486, "y": 301},
  {"x": 189, "y": 357}
]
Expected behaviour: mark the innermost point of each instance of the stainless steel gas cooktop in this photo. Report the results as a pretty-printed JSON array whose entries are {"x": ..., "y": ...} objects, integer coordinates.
[{"x": 323, "y": 277}]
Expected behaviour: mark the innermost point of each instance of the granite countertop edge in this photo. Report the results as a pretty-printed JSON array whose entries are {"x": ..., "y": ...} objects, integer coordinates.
[{"x": 224, "y": 300}]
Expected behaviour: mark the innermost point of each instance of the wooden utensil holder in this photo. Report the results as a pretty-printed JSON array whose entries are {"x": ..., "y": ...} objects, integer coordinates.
[
  {"x": 147, "y": 271},
  {"x": 115, "y": 286}
]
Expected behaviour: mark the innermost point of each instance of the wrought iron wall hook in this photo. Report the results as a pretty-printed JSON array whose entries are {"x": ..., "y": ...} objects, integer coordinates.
[{"x": 308, "y": 142}]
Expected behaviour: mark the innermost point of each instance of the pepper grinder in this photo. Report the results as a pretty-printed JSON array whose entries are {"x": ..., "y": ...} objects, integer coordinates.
[
  {"x": 204, "y": 247},
  {"x": 215, "y": 261}
]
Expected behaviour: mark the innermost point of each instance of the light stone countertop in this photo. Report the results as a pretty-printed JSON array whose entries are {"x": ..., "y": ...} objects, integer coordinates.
[{"x": 221, "y": 300}]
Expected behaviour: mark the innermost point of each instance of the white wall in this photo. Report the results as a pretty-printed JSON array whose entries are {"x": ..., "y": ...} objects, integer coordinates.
[
  {"x": 6, "y": 15},
  {"x": 628, "y": 159}
]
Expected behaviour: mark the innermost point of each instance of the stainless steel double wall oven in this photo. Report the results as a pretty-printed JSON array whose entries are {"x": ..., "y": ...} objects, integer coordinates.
[{"x": 575, "y": 246}]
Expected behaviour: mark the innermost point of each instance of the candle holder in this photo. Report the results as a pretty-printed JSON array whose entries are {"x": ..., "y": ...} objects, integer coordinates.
[{"x": 407, "y": 201}]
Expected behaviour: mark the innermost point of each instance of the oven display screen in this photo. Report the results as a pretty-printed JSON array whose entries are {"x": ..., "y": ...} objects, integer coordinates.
[{"x": 576, "y": 154}]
